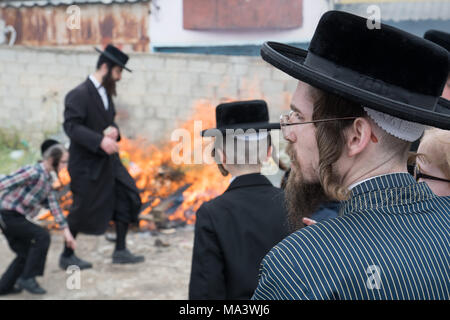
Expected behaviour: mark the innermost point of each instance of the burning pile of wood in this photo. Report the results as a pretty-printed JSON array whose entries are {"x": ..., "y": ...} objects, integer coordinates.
[
  {"x": 171, "y": 194},
  {"x": 155, "y": 212}
]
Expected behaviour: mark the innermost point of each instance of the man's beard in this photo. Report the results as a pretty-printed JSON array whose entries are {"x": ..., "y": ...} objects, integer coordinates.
[
  {"x": 109, "y": 84},
  {"x": 302, "y": 198}
]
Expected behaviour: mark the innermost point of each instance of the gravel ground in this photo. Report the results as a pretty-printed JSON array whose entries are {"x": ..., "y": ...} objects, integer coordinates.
[{"x": 163, "y": 276}]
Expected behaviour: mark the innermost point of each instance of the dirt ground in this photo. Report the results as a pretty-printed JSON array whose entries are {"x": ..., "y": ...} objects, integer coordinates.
[{"x": 163, "y": 276}]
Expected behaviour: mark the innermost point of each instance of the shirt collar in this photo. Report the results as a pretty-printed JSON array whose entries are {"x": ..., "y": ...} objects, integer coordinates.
[
  {"x": 389, "y": 190},
  {"x": 392, "y": 180},
  {"x": 359, "y": 182},
  {"x": 251, "y": 179},
  {"x": 234, "y": 177},
  {"x": 97, "y": 84}
]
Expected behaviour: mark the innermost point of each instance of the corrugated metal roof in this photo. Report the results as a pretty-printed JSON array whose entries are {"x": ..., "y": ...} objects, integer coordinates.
[
  {"x": 402, "y": 10},
  {"x": 44, "y": 3}
]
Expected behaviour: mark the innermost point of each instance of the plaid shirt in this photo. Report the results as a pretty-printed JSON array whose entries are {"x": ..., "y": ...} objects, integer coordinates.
[{"x": 27, "y": 189}]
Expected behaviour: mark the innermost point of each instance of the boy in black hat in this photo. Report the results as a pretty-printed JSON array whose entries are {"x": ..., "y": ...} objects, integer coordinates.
[
  {"x": 21, "y": 195},
  {"x": 363, "y": 96},
  {"x": 234, "y": 231},
  {"x": 102, "y": 188}
]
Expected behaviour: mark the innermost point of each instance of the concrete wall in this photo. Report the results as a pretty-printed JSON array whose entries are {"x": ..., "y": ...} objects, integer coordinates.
[{"x": 162, "y": 88}]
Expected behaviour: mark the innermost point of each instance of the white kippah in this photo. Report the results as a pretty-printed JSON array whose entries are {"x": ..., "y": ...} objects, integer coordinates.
[{"x": 402, "y": 129}]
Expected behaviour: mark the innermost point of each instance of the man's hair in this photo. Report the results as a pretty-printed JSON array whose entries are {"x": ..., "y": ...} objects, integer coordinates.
[
  {"x": 55, "y": 153},
  {"x": 331, "y": 138},
  {"x": 107, "y": 82},
  {"x": 243, "y": 153},
  {"x": 103, "y": 59}
]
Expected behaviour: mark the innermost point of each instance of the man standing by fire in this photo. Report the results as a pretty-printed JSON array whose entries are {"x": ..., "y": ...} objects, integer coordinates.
[{"x": 102, "y": 188}]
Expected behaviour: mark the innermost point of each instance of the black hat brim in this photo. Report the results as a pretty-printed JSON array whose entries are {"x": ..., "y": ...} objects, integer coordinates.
[
  {"x": 244, "y": 126},
  {"x": 113, "y": 59},
  {"x": 291, "y": 60}
]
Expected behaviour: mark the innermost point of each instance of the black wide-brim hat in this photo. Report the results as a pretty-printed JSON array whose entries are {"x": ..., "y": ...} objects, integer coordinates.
[
  {"x": 245, "y": 115},
  {"x": 386, "y": 69},
  {"x": 439, "y": 37},
  {"x": 115, "y": 55}
]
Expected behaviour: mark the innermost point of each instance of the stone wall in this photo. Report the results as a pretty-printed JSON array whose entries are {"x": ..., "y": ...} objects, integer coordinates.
[{"x": 161, "y": 89}]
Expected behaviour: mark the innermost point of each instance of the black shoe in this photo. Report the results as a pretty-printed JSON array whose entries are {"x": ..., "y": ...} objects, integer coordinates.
[
  {"x": 73, "y": 260},
  {"x": 30, "y": 285},
  {"x": 14, "y": 290},
  {"x": 125, "y": 256}
]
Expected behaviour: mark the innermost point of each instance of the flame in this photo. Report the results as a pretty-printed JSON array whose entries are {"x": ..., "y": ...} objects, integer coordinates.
[{"x": 158, "y": 177}]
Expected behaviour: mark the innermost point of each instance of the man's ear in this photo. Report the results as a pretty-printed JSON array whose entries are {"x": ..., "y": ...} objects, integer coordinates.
[
  {"x": 104, "y": 68},
  {"x": 358, "y": 136}
]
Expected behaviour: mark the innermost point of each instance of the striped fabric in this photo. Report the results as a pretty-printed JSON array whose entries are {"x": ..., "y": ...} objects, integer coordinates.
[{"x": 391, "y": 241}]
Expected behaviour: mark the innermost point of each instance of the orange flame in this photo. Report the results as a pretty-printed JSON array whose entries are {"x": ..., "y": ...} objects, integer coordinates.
[{"x": 159, "y": 177}]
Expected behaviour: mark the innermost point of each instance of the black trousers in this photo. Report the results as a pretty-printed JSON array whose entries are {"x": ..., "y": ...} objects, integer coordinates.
[
  {"x": 123, "y": 208},
  {"x": 30, "y": 242},
  {"x": 122, "y": 217}
]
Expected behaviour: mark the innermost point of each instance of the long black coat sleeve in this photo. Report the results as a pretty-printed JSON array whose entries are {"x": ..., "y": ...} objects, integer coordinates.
[
  {"x": 75, "y": 114},
  {"x": 207, "y": 273}
]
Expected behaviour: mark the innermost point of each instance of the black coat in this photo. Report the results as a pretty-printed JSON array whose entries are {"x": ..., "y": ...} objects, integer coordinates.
[
  {"x": 93, "y": 172},
  {"x": 233, "y": 233}
]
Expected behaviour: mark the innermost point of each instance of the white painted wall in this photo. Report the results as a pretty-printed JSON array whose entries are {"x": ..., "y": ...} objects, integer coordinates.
[{"x": 166, "y": 28}]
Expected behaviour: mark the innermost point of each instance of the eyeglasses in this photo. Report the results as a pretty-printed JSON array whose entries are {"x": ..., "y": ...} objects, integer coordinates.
[
  {"x": 419, "y": 175},
  {"x": 294, "y": 118}
]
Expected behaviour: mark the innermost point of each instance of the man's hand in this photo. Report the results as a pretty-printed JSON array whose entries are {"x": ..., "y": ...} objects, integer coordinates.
[
  {"x": 70, "y": 240},
  {"x": 109, "y": 145},
  {"x": 308, "y": 221},
  {"x": 111, "y": 132}
]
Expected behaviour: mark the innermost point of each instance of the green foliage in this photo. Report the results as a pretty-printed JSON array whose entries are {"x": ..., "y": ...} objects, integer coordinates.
[{"x": 9, "y": 142}]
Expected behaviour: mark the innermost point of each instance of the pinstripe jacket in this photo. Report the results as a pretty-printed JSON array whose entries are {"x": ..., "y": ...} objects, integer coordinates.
[{"x": 391, "y": 241}]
